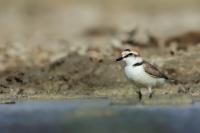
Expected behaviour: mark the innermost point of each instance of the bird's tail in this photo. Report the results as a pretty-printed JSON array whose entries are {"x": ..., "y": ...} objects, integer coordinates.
[{"x": 174, "y": 81}]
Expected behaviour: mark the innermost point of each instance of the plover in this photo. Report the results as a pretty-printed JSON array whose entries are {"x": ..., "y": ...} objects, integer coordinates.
[{"x": 141, "y": 72}]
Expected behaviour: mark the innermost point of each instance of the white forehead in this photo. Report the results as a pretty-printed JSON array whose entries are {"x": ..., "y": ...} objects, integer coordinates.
[{"x": 124, "y": 53}]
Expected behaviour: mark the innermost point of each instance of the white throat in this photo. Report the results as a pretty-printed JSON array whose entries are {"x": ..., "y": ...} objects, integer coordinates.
[{"x": 132, "y": 60}]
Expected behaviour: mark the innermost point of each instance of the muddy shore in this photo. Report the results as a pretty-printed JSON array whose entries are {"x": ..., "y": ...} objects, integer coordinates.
[
  {"x": 79, "y": 76},
  {"x": 48, "y": 54}
]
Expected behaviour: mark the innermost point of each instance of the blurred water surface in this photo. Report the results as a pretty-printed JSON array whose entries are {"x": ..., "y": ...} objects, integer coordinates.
[{"x": 97, "y": 116}]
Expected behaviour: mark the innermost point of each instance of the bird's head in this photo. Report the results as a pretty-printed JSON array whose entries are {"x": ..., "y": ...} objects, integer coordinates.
[{"x": 130, "y": 56}]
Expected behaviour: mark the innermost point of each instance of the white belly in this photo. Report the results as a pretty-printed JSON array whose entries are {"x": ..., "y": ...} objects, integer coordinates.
[{"x": 141, "y": 78}]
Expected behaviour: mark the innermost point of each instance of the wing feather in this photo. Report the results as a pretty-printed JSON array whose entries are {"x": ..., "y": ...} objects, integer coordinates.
[{"x": 153, "y": 71}]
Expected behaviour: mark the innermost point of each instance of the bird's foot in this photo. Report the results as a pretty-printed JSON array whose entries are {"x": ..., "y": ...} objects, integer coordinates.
[
  {"x": 150, "y": 92},
  {"x": 150, "y": 95},
  {"x": 139, "y": 95}
]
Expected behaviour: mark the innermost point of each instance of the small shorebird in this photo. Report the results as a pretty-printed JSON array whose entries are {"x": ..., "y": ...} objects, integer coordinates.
[{"x": 141, "y": 72}]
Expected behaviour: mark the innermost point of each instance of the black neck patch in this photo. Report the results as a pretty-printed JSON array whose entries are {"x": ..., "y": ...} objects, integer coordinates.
[{"x": 138, "y": 64}]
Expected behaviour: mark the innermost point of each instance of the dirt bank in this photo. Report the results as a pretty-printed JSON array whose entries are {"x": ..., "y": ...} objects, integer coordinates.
[
  {"x": 78, "y": 76},
  {"x": 67, "y": 49}
]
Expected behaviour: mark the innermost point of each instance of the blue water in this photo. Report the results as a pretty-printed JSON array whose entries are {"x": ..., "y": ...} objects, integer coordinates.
[{"x": 97, "y": 116}]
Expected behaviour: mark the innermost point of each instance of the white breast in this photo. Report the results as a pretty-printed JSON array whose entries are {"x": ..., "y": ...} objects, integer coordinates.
[{"x": 140, "y": 77}]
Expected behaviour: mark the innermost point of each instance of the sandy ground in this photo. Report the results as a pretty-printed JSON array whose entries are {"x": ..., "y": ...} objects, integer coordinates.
[{"x": 59, "y": 52}]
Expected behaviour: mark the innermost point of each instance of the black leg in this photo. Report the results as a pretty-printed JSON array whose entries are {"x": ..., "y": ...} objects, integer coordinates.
[
  {"x": 139, "y": 95},
  {"x": 150, "y": 92},
  {"x": 150, "y": 95}
]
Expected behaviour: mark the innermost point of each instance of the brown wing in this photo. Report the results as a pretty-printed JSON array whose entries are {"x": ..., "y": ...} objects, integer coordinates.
[{"x": 153, "y": 71}]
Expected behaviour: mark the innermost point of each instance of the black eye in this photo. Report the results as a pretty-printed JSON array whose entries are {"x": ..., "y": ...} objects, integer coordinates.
[{"x": 130, "y": 54}]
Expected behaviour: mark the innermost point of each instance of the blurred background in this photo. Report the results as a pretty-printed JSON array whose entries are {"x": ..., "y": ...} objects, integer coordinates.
[
  {"x": 65, "y": 49},
  {"x": 36, "y": 32},
  {"x": 40, "y": 34}
]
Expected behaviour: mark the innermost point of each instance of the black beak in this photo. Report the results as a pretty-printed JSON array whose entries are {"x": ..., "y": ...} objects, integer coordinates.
[{"x": 119, "y": 59}]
